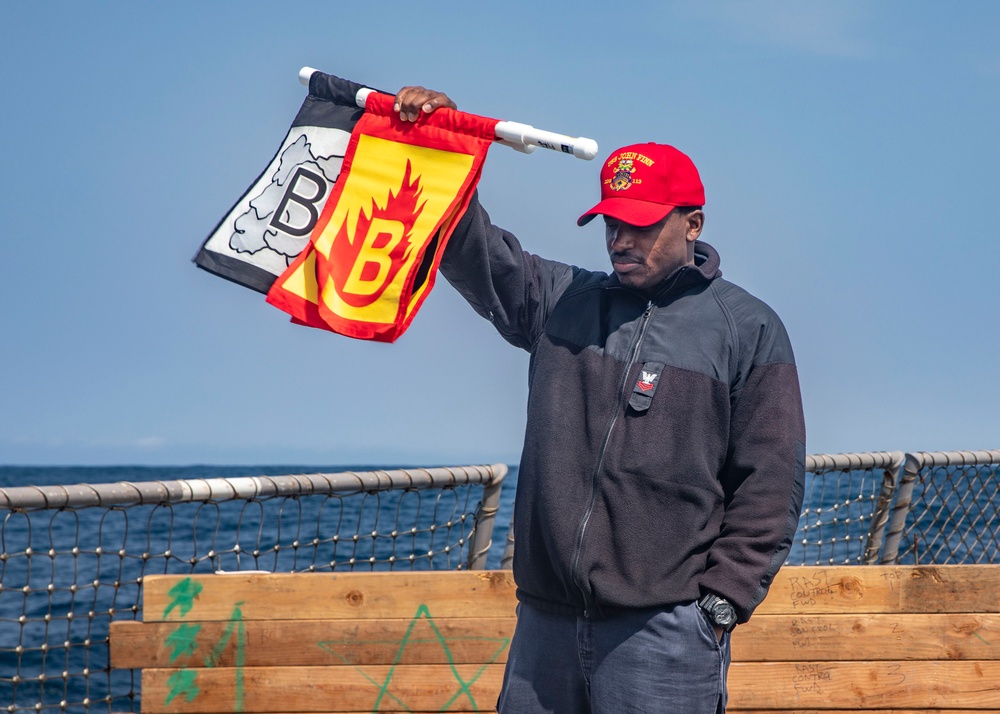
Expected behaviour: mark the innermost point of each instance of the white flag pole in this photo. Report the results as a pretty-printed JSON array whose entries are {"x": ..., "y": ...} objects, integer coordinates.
[{"x": 522, "y": 137}]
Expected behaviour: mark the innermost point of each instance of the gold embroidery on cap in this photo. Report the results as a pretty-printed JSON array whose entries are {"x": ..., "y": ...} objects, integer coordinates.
[
  {"x": 622, "y": 178},
  {"x": 623, "y": 175}
]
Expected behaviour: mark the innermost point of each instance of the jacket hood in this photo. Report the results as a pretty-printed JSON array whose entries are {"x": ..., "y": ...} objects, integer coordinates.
[
  {"x": 707, "y": 261},
  {"x": 705, "y": 270}
]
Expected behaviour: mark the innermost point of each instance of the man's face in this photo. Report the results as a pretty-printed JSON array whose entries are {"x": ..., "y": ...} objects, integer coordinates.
[{"x": 643, "y": 256}]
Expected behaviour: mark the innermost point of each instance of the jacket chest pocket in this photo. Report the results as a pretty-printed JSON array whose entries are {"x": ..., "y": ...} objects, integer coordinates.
[{"x": 645, "y": 386}]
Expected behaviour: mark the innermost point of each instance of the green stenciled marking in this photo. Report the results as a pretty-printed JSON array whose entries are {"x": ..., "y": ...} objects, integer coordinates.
[
  {"x": 454, "y": 670},
  {"x": 382, "y": 690},
  {"x": 183, "y": 640},
  {"x": 465, "y": 685},
  {"x": 212, "y": 660},
  {"x": 423, "y": 612},
  {"x": 183, "y": 595},
  {"x": 182, "y": 682},
  {"x": 981, "y": 638},
  {"x": 399, "y": 655}
]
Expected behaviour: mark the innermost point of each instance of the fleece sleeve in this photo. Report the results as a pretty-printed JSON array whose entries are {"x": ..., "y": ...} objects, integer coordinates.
[
  {"x": 513, "y": 289},
  {"x": 763, "y": 479}
]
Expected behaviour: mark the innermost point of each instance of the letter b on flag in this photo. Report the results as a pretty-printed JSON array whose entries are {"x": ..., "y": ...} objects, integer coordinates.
[
  {"x": 305, "y": 190},
  {"x": 375, "y": 256}
]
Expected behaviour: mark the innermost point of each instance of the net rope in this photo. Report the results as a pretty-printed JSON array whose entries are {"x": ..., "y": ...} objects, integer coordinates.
[{"x": 836, "y": 517}]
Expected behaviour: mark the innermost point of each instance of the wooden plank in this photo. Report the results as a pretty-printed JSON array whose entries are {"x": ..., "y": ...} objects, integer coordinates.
[
  {"x": 426, "y": 640},
  {"x": 786, "y": 686},
  {"x": 867, "y": 637},
  {"x": 768, "y": 686},
  {"x": 418, "y": 640},
  {"x": 318, "y": 596},
  {"x": 796, "y": 589},
  {"x": 870, "y": 589},
  {"x": 323, "y": 689}
]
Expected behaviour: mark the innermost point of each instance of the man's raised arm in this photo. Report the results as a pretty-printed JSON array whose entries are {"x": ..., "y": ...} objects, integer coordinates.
[{"x": 508, "y": 286}]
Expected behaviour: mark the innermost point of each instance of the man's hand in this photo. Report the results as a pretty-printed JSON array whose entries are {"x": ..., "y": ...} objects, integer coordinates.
[
  {"x": 718, "y": 632},
  {"x": 411, "y": 101}
]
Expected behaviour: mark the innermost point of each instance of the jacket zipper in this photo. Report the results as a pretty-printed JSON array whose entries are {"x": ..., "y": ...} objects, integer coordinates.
[{"x": 633, "y": 354}]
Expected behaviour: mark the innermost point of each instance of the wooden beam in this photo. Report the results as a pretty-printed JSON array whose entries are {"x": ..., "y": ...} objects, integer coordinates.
[
  {"x": 787, "y": 686},
  {"x": 799, "y": 638},
  {"x": 796, "y": 589},
  {"x": 423, "y": 640},
  {"x": 767, "y": 686},
  {"x": 319, "y": 596},
  {"x": 418, "y": 640},
  {"x": 322, "y": 689},
  {"x": 875, "y": 588}
]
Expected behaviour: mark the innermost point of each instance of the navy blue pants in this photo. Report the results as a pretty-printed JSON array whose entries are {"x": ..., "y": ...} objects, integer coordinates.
[{"x": 637, "y": 662}]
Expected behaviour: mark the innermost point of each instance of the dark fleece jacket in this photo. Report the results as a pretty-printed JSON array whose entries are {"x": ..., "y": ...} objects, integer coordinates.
[{"x": 664, "y": 453}]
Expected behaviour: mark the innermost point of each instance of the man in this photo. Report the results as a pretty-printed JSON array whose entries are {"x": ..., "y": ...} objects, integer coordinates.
[{"x": 662, "y": 472}]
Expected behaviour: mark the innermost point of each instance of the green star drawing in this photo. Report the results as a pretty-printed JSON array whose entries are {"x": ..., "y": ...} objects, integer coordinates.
[
  {"x": 183, "y": 640},
  {"x": 183, "y": 595},
  {"x": 463, "y": 685},
  {"x": 182, "y": 683}
]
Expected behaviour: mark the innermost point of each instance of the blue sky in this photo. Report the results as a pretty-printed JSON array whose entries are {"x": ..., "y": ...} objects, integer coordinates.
[{"x": 849, "y": 152}]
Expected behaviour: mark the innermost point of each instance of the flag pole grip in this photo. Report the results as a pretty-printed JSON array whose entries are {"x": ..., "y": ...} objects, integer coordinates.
[
  {"x": 514, "y": 132},
  {"x": 522, "y": 137}
]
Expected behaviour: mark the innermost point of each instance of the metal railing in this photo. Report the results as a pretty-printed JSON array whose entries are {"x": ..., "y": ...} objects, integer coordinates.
[
  {"x": 947, "y": 509},
  {"x": 72, "y": 558},
  {"x": 845, "y": 507}
]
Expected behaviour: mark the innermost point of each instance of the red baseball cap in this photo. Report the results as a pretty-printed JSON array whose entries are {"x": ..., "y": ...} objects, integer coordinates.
[{"x": 642, "y": 183}]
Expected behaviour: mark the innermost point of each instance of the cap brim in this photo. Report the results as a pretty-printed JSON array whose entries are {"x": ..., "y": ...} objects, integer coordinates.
[{"x": 627, "y": 210}]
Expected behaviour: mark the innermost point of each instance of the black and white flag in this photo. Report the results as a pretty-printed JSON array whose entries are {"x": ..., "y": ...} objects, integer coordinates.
[{"x": 271, "y": 223}]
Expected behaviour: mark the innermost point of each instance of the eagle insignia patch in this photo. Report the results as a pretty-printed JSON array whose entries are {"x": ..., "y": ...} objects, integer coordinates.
[{"x": 645, "y": 386}]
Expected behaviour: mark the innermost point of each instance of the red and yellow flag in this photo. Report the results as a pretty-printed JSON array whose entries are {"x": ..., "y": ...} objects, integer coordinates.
[{"x": 374, "y": 252}]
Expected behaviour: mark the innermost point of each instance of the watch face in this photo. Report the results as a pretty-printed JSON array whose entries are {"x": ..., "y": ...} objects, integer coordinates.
[{"x": 723, "y": 614}]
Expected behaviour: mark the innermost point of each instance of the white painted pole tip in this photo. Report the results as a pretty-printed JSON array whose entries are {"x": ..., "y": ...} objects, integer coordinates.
[
  {"x": 305, "y": 73},
  {"x": 585, "y": 149}
]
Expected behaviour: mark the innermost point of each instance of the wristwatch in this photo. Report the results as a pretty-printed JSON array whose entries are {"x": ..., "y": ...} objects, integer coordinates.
[{"x": 719, "y": 610}]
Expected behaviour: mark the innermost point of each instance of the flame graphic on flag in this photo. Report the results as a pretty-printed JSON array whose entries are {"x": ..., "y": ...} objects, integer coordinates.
[
  {"x": 361, "y": 269},
  {"x": 381, "y": 235}
]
